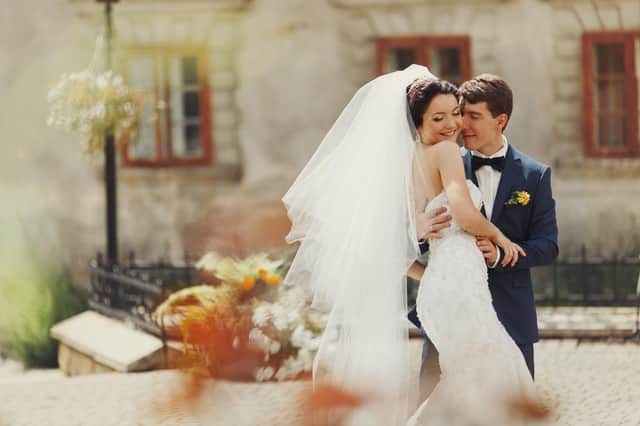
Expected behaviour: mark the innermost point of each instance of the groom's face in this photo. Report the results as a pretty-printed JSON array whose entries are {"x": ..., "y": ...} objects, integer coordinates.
[{"x": 480, "y": 129}]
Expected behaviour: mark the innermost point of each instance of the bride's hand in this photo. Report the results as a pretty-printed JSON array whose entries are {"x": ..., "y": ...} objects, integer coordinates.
[{"x": 510, "y": 250}]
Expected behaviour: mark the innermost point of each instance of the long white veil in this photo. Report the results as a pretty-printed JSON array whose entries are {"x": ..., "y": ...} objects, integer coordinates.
[{"x": 351, "y": 209}]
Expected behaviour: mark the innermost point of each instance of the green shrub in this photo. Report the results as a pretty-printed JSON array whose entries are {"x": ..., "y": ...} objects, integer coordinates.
[{"x": 35, "y": 295}]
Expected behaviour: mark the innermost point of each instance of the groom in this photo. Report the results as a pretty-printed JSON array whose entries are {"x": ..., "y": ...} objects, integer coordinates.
[{"x": 516, "y": 191}]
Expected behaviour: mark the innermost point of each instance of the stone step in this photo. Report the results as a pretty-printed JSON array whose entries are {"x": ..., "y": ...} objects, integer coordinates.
[{"x": 93, "y": 343}]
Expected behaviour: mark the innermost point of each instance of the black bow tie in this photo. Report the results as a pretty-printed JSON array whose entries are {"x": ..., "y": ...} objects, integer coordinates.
[{"x": 497, "y": 163}]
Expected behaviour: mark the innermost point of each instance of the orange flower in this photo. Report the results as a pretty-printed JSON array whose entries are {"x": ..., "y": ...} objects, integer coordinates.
[
  {"x": 249, "y": 283},
  {"x": 263, "y": 273},
  {"x": 272, "y": 279}
]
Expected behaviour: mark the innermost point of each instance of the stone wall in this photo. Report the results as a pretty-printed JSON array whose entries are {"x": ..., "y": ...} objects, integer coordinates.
[
  {"x": 280, "y": 72},
  {"x": 292, "y": 87},
  {"x": 598, "y": 203},
  {"x": 570, "y": 20},
  {"x": 501, "y": 43},
  {"x": 156, "y": 205},
  {"x": 536, "y": 47}
]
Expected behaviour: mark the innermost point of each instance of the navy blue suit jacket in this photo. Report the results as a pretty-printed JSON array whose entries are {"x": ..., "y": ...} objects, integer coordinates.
[{"x": 533, "y": 227}]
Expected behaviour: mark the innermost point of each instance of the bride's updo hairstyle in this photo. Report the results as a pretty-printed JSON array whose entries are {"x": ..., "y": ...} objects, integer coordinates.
[{"x": 421, "y": 92}]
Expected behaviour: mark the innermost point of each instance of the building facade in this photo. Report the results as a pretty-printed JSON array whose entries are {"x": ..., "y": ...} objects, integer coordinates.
[{"x": 239, "y": 93}]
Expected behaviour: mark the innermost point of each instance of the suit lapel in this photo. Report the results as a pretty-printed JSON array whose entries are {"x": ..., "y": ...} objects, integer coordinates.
[
  {"x": 468, "y": 171},
  {"x": 507, "y": 180},
  {"x": 466, "y": 158}
]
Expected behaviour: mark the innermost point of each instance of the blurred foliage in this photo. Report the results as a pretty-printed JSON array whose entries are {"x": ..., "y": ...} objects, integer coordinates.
[{"x": 36, "y": 294}]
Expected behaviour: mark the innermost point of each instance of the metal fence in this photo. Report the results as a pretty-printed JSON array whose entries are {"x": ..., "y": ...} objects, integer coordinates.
[
  {"x": 131, "y": 292},
  {"x": 581, "y": 281},
  {"x": 588, "y": 281}
]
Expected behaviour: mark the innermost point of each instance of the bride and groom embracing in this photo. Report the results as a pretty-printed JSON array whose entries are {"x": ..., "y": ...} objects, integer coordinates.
[{"x": 387, "y": 175}]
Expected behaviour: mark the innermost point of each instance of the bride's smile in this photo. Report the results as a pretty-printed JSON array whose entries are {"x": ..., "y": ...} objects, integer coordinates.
[{"x": 441, "y": 120}]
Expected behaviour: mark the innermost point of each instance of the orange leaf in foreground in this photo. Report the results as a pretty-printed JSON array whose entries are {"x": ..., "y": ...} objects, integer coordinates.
[
  {"x": 527, "y": 408},
  {"x": 328, "y": 404},
  {"x": 327, "y": 396}
]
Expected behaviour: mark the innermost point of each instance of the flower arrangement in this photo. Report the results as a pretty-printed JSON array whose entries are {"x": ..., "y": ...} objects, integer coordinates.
[
  {"x": 91, "y": 104},
  {"x": 518, "y": 198},
  {"x": 249, "y": 326},
  {"x": 287, "y": 332}
]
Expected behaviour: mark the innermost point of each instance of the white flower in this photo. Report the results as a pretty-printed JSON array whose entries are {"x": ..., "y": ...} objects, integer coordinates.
[
  {"x": 283, "y": 373},
  {"x": 293, "y": 317},
  {"x": 99, "y": 111},
  {"x": 259, "y": 340},
  {"x": 305, "y": 359},
  {"x": 280, "y": 318},
  {"x": 209, "y": 261},
  {"x": 317, "y": 319},
  {"x": 275, "y": 346},
  {"x": 263, "y": 374},
  {"x": 300, "y": 336},
  {"x": 289, "y": 369},
  {"x": 261, "y": 315},
  {"x": 101, "y": 81},
  {"x": 313, "y": 344}
]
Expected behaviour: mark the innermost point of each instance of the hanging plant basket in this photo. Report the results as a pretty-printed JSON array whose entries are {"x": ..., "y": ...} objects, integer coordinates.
[{"x": 92, "y": 104}]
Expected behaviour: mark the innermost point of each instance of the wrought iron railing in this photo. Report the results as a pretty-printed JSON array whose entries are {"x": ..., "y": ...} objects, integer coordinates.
[
  {"x": 582, "y": 281},
  {"x": 131, "y": 292},
  {"x": 588, "y": 281}
]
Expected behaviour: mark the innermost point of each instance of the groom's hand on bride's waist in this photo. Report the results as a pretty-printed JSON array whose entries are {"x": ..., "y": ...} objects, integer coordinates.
[{"x": 429, "y": 224}]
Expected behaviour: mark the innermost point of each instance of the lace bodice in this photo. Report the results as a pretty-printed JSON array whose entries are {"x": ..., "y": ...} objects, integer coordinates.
[
  {"x": 441, "y": 200},
  {"x": 481, "y": 365}
]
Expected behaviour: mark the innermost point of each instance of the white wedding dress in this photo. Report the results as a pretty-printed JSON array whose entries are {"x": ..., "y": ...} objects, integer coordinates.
[
  {"x": 482, "y": 368},
  {"x": 352, "y": 212}
]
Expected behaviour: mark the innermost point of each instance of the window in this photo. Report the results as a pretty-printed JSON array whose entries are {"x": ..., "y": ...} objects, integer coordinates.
[
  {"x": 611, "y": 64},
  {"x": 176, "y": 123},
  {"x": 446, "y": 57}
]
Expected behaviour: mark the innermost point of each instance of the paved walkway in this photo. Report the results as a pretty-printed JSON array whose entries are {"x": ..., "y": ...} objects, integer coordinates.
[
  {"x": 587, "y": 322},
  {"x": 589, "y": 383},
  {"x": 583, "y": 322}
]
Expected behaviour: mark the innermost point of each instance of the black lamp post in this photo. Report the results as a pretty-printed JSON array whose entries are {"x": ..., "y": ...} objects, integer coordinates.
[{"x": 109, "y": 155}]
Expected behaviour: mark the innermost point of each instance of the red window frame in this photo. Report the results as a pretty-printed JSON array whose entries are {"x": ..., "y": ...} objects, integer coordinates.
[
  {"x": 420, "y": 44},
  {"x": 632, "y": 146},
  {"x": 163, "y": 53}
]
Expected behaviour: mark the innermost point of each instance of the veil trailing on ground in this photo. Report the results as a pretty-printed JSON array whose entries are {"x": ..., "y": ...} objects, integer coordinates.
[{"x": 352, "y": 211}]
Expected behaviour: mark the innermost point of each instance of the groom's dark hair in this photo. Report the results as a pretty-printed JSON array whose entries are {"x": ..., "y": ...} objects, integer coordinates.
[{"x": 491, "y": 89}]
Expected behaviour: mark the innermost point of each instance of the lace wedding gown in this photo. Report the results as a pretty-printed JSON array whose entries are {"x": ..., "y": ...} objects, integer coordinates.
[{"x": 482, "y": 368}]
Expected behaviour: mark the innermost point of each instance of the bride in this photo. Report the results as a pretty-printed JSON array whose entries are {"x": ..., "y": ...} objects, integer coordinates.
[{"x": 352, "y": 208}]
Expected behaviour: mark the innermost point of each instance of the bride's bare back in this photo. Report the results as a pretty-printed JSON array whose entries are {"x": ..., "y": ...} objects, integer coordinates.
[{"x": 438, "y": 167}]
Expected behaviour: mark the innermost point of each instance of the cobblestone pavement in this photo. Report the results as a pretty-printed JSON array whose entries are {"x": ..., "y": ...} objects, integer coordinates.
[
  {"x": 589, "y": 384},
  {"x": 587, "y": 321}
]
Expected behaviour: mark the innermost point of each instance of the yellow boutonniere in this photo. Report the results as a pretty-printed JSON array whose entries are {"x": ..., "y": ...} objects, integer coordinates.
[{"x": 519, "y": 198}]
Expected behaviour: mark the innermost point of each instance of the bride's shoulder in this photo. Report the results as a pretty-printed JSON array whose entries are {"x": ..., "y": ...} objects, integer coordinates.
[{"x": 447, "y": 149}]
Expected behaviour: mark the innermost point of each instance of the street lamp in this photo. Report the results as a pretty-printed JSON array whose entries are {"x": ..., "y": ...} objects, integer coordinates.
[{"x": 109, "y": 155}]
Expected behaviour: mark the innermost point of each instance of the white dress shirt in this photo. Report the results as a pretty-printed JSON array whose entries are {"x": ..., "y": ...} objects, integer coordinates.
[
  {"x": 489, "y": 178},
  {"x": 488, "y": 181}
]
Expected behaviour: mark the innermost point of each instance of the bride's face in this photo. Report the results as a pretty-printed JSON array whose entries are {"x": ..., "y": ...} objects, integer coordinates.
[{"x": 441, "y": 121}]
